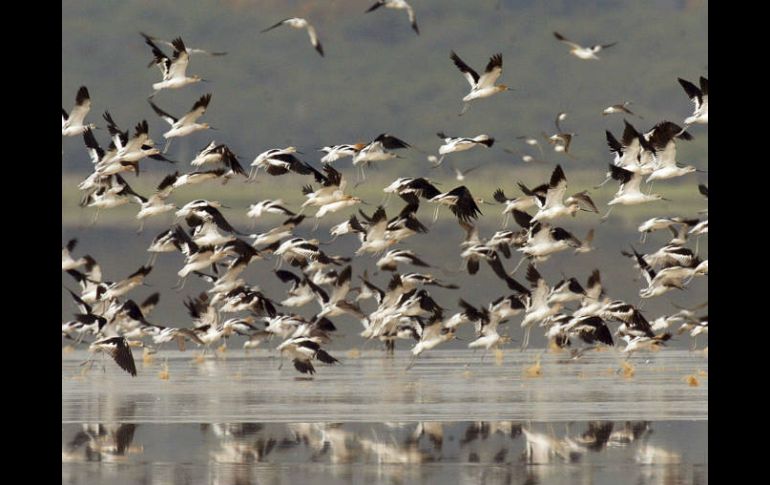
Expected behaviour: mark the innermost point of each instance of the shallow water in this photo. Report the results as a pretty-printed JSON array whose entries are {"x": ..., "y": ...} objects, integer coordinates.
[
  {"x": 442, "y": 385},
  {"x": 237, "y": 418}
]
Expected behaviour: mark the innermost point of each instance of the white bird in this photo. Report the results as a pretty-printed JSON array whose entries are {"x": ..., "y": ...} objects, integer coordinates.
[
  {"x": 197, "y": 177},
  {"x": 460, "y": 174},
  {"x": 173, "y": 70},
  {"x": 700, "y": 97},
  {"x": 303, "y": 350},
  {"x": 300, "y": 23},
  {"x": 481, "y": 86},
  {"x": 268, "y": 206},
  {"x": 186, "y": 124},
  {"x": 214, "y": 153},
  {"x": 661, "y": 137},
  {"x": 130, "y": 151},
  {"x": 517, "y": 203},
  {"x": 666, "y": 279},
  {"x": 335, "y": 152},
  {"x": 629, "y": 193},
  {"x": 390, "y": 261},
  {"x": 67, "y": 261},
  {"x": 432, "y": 333},
  {"x": 537, "y": 308},
  {"x": 634, "y": 344},
  {"x": 156, "y": 204},
  {"x": 619, "y": 108},
  {"x": 460, "y": 144},
  {"x": 543, "y": 240},
  {"x": 581, "y": 52},
  {"x": 377, "y": 150},
  {"x": 72, "y": 123},
  {"x": 400, "y": 5},
  {"x": 553, "y": 205},
  {"x": 279, "y": 161},
  {"x": 119, "y": 350}
]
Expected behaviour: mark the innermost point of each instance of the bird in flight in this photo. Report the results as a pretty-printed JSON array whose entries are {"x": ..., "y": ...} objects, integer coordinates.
[
  {"x": 481, "y": 86},
  {"x": 397, "y": 4},
  {"x": 581, "y": 52},
  {"x": 300, "y": 23}
]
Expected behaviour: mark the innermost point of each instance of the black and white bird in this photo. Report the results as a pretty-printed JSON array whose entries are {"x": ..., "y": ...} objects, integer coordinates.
[
  {"x": 268, "y": 206},
  {"x": 662, "y": 138},
  {"x": 277, "y": 233},
  {"x": 173, "y": 69},
  {"x": 619, "y": 108},
  {"x": 119, "y": 350},
  {"x": 67, "y": 261},
  {"x": 335, "y": 152},
  {"x": 528, "y": 200},
  {"x": 279, "y": 161},
  {"x": 156, "y": 204},
  {"x": 481, "y": 86},
  {"x": 460, "y": 201},
  {"x": 553, "y": 204},
  {"x": 72, "y": 123},
  {"x": 300, "y": 23},
  {"x": 629, "y": 192},
  {"x": 131, "y": 150},
  {"x": 460, "y": 144},
  {"x": 537, "y": 307},
  {"x": 700, "y": 97},
  {"x": 214, "y": 153},
  {"x": 581, "y": 52},
  {"x": 410, "y": 189},
  {"x": 390, "y": 261},
  {"x": 378, "y": 150},
  {"x": 303, "y": 350},
  {"x": 476, "y": 250},
  {"x": 399, "y": 5},
  {"x": 187, "y": 124},
  {"x": 543, "y": 240}
]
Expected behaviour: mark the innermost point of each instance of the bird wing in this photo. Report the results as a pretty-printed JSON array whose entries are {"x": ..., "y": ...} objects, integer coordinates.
[
  {"x": 412, "y": 18},
  {"x": 314, "y": 39},
  {"x": 492, "y": 72},
  {"x": 181, "y": 59},
  {"x": 197, "y": 110},
  {"x": 274, "y": 25},
  {"x": 693, "y": 92},
  {"x": 391, "y": 142},
  {"x": 165, "y": 116},
  {"x": 471, "y": 75},
  {"x": 556, "y": 188},
  {"x": 585, "y": 199},
  {"x": 568, "y": 42},
  {"x": 82, "y": 107}
]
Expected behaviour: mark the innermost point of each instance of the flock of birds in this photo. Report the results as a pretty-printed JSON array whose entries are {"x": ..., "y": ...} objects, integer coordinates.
[{"x": 218, "y": 253}]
